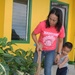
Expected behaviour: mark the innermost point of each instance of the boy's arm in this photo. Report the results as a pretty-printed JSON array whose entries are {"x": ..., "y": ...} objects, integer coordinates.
[{"x": 63, "y": 63}]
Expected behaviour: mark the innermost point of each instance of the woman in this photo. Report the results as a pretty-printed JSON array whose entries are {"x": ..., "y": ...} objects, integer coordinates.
[{"x": 50, "y": 30}]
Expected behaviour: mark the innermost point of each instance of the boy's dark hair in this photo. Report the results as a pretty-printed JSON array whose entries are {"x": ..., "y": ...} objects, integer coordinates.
[{"x": 68, "y": 44}]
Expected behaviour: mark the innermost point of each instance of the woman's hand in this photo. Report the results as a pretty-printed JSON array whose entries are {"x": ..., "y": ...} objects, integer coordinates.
[
  {"x": 57, "y": 58},
  {"x": 39, "y": 47}
]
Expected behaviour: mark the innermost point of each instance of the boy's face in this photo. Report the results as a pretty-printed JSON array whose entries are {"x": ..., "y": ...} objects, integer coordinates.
[{"x": 65, "y": 50}]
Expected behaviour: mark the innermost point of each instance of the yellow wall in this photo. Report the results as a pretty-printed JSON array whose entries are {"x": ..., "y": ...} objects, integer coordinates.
[
  {"x": 2, "y": 7},
  {"x": 72, "y": 35},
  {"x": 36, "y": 16},
  {"x": 71, "y": 26},
  {"x": 8, "y": 19},
  {"x": 40, "y": 10}
]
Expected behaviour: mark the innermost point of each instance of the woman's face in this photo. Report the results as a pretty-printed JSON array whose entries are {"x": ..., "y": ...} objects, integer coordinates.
[{"x": 53, "y": 19}]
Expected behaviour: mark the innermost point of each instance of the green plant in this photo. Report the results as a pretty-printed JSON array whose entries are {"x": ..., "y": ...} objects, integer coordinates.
[{"x": 15, "y": 61}]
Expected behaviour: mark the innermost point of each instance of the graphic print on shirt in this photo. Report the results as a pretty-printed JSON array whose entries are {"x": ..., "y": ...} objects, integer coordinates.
[{"x": 49, "y": 38}]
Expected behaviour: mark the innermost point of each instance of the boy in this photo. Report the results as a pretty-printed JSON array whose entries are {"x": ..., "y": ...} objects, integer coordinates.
[{"x": 63, "y": 62}]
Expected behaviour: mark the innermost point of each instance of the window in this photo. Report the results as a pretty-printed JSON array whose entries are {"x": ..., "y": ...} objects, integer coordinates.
[{"x": 20, "y": 21}]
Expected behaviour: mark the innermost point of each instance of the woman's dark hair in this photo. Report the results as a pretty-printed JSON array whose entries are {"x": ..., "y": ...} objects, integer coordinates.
[
  {"x": 58, "y": 13},
  {"x": 68, "y": 44}
]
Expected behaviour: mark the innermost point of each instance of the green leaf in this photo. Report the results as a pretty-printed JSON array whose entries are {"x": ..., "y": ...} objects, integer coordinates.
[
  {"x": 18, "y": 60},
  {"x": 10, "y": 43},
  {"x": 1, "y": 51},
  {"x": 7, "y": 55},
  {"x": 17, "y": 52},
  {"x": 5, "y": 68},
  {"x": 4, "y": 41}
]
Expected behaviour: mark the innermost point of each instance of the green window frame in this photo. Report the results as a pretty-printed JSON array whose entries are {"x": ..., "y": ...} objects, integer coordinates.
[{"x": 21, "y": 21}]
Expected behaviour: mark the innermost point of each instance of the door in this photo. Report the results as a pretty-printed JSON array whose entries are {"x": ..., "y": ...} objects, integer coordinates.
[{"x": 64, "y": 9}]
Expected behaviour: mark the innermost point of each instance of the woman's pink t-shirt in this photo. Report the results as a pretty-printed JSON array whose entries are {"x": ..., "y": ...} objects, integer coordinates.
[{"x": 48, "y": 36}]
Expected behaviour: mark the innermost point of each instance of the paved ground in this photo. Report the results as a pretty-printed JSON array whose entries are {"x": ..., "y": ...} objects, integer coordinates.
[{"x": 71, "y": 70}]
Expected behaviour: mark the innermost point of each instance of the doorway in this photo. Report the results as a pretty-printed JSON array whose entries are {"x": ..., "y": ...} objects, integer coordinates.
[{"x": 65, "y": 9}]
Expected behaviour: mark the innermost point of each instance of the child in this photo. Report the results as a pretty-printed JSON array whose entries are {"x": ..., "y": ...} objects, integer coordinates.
[{"x": 63, "y": 62}]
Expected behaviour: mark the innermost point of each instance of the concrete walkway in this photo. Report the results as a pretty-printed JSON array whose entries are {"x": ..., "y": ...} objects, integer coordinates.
[{"x": 71, "y": 70}]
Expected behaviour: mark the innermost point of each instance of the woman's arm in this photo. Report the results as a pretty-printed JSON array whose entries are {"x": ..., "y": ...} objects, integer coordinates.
[
  {"x": 38, "y": 45},
  {"x": 59, "y": 48},
  {"x": 34, "y": 38},
  {"x": 60, "y": 44}
]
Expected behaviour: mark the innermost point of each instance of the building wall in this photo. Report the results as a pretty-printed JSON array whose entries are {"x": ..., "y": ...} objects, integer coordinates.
[
  {"x": 40, "y": 10},
  {"x": 72, "y": 34},
  {"x": 7, "y": 19},
  {"x": 71, "y": 26},
  {"x": 2, "y": 7},
  {"x": 36, "y": 16}
]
